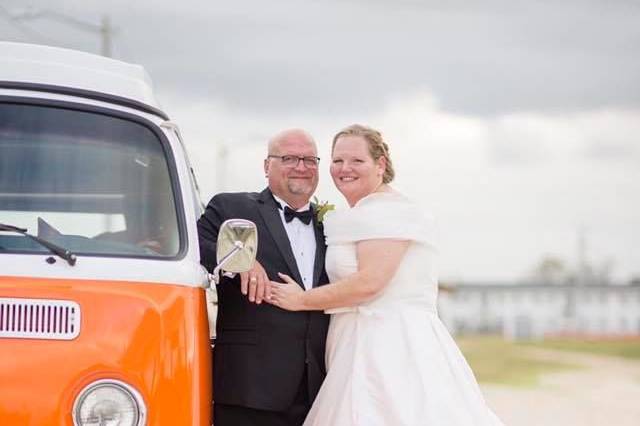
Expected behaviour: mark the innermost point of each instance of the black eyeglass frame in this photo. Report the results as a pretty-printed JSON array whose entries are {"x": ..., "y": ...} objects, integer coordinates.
[{"x": 314, "y": 160}]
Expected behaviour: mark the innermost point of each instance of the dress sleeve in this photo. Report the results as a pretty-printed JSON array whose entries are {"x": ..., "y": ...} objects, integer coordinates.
[{"x": 383, "y": 217}]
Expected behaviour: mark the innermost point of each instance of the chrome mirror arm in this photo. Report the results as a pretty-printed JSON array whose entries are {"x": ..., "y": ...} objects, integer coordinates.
[
  {"x": 214, "y": 277},
  {"x": 236, "y": 248}
]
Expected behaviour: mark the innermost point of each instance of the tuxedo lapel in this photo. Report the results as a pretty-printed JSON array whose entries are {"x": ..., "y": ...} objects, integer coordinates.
[
  {"x": 271, "y": 216},
  {"x": 321, "y": 248}
]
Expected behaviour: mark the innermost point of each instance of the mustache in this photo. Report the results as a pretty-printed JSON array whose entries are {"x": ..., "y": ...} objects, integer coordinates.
[{"x": 301, "y": 174}]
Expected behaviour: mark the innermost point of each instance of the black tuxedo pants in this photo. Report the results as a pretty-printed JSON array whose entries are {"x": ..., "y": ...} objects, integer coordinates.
[{"x": 235, "y": 415}]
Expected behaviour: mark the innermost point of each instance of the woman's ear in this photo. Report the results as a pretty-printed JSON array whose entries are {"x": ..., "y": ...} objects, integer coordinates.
[{"x": 382, "y": 165}]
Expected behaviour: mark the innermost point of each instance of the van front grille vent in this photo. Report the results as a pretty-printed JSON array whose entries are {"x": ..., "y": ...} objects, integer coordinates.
[{"x": 39, "y": 319}]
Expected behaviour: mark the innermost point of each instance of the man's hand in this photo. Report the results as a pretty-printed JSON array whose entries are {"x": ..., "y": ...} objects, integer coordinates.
[{"x": 255, "y": 283}]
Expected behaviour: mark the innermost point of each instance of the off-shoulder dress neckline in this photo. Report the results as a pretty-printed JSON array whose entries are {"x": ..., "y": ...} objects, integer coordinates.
[{"x": 376, "y": 194}]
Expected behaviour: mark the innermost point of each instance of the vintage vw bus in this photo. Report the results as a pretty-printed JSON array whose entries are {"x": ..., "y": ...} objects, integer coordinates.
[{"x": 103, "y": 319}]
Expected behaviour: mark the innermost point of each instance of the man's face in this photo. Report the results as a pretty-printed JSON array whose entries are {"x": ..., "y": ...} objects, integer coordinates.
[{"x": 294, "y": 184}]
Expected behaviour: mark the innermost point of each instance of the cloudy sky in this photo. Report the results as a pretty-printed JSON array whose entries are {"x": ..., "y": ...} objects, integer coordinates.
[{"x": 516, "y": 123}]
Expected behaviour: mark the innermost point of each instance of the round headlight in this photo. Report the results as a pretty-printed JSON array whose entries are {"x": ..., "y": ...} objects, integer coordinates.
[{"x": 109, "y": 403}]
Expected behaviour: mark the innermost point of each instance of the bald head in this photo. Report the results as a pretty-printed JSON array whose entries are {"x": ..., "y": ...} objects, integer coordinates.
[
  {"x": 286, "y": 135},
  {"x": 294, "y": 184}
]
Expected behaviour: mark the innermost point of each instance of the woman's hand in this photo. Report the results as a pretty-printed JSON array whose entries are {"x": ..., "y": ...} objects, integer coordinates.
[{"x": 287, "y": 295}]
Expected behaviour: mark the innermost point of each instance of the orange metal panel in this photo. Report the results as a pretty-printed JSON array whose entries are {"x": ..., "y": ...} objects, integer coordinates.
[{"x": 152, "y": 336}]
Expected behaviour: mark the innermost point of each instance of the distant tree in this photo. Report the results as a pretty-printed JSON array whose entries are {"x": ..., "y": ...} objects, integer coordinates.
[{"x": 551, "y": 270}]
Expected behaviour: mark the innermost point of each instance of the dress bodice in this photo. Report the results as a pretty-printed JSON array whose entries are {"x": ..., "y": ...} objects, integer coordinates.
[{"x": 390, "y": 216}]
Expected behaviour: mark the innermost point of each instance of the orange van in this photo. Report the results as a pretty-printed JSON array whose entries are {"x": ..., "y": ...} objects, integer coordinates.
[{"x": 103, "y": 312}]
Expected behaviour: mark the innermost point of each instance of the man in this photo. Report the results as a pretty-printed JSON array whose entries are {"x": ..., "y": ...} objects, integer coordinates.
[{"x": 269, "y": 363}]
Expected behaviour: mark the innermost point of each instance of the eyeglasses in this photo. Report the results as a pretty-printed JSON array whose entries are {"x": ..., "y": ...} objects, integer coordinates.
[{"x": 294, "y": 160}]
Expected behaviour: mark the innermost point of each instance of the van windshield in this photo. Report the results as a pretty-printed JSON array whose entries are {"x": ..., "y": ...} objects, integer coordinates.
[{"x": 93, "y": 183}]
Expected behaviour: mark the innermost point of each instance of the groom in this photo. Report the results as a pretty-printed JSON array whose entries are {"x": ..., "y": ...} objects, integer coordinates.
[{"x": 269, "y": 363}]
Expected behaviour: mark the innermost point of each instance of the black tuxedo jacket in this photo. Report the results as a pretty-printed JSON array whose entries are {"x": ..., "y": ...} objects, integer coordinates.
[{"x": 261, "y": 351}]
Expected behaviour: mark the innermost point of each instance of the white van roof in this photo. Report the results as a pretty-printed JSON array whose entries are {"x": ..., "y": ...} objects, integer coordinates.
[{"x": 65, "y": 68}]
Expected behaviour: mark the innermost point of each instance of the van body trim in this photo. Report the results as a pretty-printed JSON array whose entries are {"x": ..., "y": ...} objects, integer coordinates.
[{"x": 84, "y": 93}]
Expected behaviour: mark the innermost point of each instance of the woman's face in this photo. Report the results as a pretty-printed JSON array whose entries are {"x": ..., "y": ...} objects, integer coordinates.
[{"x": 355, "y": 173}]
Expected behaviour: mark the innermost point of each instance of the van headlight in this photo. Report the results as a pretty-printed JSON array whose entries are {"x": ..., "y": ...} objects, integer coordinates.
[{"x": 109, "y": 403}]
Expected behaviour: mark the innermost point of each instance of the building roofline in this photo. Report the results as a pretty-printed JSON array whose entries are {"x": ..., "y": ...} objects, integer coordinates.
[{"x": 516, "y": 285}]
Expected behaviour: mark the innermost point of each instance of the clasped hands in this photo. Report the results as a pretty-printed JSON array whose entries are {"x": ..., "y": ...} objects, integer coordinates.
[{"x": 255, "y": 284}]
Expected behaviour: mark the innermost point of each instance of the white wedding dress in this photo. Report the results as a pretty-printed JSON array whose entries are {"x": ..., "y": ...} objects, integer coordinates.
[{"x": 391, "y": 361}]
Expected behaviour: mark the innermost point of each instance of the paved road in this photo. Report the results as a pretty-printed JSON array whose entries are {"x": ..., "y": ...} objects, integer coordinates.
[{"x": 605, "y": 392}]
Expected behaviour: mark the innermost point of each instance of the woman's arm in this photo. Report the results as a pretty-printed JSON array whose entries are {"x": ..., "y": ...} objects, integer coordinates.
[{"x": 378, "y": 261}]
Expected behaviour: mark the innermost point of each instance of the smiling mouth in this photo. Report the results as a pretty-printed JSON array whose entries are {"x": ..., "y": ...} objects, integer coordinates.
[{"x": 348, "y": 179}]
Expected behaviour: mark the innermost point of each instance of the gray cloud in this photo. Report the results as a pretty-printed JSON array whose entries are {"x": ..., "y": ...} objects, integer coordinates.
[{"x": 337, "y": 57}]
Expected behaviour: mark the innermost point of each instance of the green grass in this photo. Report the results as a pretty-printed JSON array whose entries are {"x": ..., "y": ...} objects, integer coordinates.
[
  {"x": 494, "y": 360},
  {"x": 625, "y": 348}
]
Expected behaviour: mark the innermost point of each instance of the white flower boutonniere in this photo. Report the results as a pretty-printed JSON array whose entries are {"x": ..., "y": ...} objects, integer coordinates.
[{"x": 322, "y": 208}]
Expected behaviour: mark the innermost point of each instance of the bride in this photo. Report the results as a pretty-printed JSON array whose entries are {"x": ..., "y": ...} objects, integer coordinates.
[{"x": 390, "y": 361}]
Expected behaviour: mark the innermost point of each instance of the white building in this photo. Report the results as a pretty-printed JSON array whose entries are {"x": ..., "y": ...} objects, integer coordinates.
[{"x": 536, "y": 310}]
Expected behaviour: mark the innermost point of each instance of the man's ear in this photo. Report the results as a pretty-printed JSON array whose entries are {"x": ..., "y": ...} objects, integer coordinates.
[{"x": 266, "y": 167}]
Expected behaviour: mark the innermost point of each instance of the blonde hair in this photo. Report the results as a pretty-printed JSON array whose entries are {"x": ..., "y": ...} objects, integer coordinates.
[{"x": 377, "y": 146}]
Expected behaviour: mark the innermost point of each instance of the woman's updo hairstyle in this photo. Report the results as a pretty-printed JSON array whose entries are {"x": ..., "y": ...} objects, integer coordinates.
[{"x": 377, "y": 146}]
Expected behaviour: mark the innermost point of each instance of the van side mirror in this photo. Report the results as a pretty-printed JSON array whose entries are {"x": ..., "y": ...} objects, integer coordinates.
[{"x": 236, "y": 248}]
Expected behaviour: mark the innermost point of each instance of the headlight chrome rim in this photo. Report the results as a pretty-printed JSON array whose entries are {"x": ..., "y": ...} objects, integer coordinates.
[{"x": 86, "y": 391}]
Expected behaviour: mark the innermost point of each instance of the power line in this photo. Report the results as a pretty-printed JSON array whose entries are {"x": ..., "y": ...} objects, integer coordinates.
[
  {"x": 104, "y": 28},
  {"x": 30, "y": 33}
]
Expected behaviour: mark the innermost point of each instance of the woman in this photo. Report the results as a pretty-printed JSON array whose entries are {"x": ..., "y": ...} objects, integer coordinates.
[{"x": 390, "y": 360}]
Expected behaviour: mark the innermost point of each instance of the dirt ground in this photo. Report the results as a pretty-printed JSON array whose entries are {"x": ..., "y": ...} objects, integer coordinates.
[{"x": 604, "y": 392}]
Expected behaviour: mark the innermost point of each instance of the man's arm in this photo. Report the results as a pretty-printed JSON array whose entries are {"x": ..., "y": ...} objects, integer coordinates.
[{"x": 208, "y": 227}]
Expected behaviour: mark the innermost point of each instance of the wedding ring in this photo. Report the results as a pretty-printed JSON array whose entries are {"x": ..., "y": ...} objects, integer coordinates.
[{"x": 253, "y": 280}]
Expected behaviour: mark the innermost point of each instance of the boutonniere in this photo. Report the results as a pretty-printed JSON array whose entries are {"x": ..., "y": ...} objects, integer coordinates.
[{"x": 321, "y": 208}]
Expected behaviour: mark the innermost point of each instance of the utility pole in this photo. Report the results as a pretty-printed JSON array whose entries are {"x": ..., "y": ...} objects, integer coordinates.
[
  {"x": 106, "y": 31},
  {"x": 582, "y": 256},
  {"x": 104, "y": 28}
]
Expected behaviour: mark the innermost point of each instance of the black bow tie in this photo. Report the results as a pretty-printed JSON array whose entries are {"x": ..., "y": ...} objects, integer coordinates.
[{"x": 304, "y": 216}]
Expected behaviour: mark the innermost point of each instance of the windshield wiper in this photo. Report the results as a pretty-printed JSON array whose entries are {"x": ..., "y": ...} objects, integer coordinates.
[{"x": 55, "y": 249}]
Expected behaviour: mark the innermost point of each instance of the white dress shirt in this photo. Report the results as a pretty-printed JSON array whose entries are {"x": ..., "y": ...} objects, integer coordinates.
[{"x": 302, "y": 238}]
